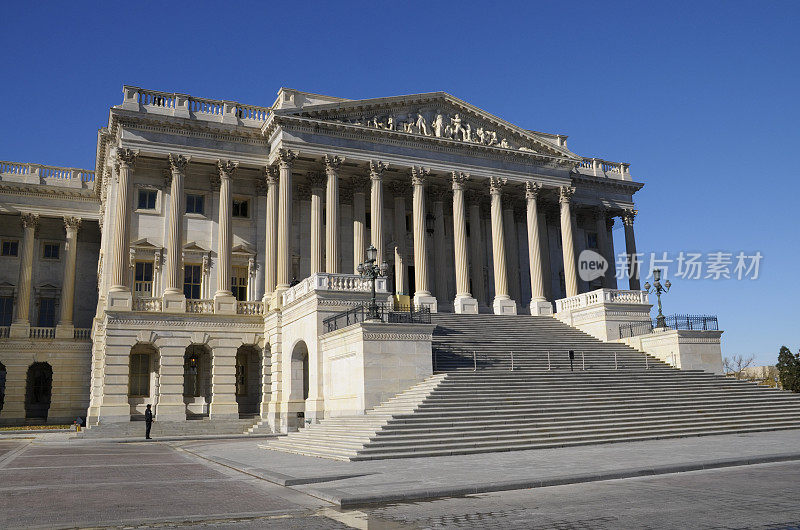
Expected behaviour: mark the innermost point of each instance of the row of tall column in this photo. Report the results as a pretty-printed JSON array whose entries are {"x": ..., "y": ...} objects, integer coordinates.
[{"x": 20, "y": 327}]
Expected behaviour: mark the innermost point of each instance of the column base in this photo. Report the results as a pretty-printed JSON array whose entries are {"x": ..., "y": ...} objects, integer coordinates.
[
  {"x": 504, "y": 306},
  {"x": 465, "y": 305},
  {"x": 173, "y": 303},
  {"x": 224, "y": 304},
  {"x": 541, "y": 308},
  {"x": 169, "y": 412},
  {"x": 114, "y": 414},
  {"x": 20, "y": 330},
  {"x": 119, "y": 301},
  {"x": 426, "y": 300},
  {"x": 65, "y": 331}
]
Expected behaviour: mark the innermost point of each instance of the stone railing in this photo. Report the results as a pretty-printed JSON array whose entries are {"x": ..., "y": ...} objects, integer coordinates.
[
  {"x": 601, "y": 296},
  {"x": 323, "y": 281},
  {"x": 4, "y": 331},
  {"x": 146, "y": 304},
  {"x": 249, "y": 308},
  {"x": 43, "y": 333},
  {"x": 603, "y": 168},
  {"x": 199, "y": 306},
  {"x": 69, "y": 177},
  {"x": 82, "y": 333},
  {"x": 185, "y": 106}
]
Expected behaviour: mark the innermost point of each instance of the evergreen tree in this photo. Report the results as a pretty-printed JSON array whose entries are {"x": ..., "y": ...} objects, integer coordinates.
[{"x": 789, "y": 369}]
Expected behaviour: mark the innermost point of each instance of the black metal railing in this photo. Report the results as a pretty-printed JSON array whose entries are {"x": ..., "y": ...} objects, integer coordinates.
[
  {"x": 401, "y": 315},
  {"x": 687, "y": 322}
]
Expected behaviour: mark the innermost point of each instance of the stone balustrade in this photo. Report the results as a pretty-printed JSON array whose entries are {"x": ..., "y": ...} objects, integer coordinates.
[
  {"x": 323, "y": 281},
  {"x": 186, "y": 106},
  {"x": 42, "y": 333},
  {"x": 200, "y": 306},
  {"x": 601, "y": 296},
  {"x": 250, "y": 308},
  {"x": 24, "y": 173},
  {"x": 82, "y": 333},
  {"x": 603, "y": 168},
  {"x": 4, "y": 331},
  {"x": 147, "y": 304}
]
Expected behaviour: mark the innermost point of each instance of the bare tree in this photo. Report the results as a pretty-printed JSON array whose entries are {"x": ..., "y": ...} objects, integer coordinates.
[{"x": 737, "y": 364}]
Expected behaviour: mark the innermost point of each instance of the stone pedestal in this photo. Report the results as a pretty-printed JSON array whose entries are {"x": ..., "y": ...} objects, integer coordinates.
[
  {"x": 504, "y": 306},
  {"x": 65, "y": 331},
  {"x": 20, "y": 330},
  {"x": 426, "y": 300},
  {"x": 119, "y": 301},
  {"x": 465, "y": 305},
  {"x": 224, "y": 304},
  {"x": 173, "y": 303},
  {"x": 541, "y": 308}
]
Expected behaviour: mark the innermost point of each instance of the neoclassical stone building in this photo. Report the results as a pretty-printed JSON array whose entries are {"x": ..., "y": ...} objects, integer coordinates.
[{"x": 194, "y": 266}]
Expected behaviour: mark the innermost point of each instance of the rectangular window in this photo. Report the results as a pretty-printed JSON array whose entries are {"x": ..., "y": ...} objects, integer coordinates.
[
  {"x": 240, "y": 208},
  {"x": 147, "y": 199},
  {"x": 6, "y": 310},
  {"x": 192, "y": 275},
  {"x": 47, "y": 313},
  {"x": 239, "y": 283},
  {"x": 10, "y": 247},
  {"x": 143, "y": 279},
  {"x": 139, "y": 375},
  {"x": 195, "y": 203},
  {"x": 50, "y": 250},
  {"x": 591, "y": 240}
]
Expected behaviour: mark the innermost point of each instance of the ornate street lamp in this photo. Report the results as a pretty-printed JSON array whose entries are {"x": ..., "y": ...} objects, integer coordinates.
[
  {"x": 661, "y": 321},
  {"x": 371, "y": 271}
]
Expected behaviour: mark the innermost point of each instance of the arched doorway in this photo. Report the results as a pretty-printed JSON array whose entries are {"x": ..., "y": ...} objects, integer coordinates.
[
  {"x": 2, "y": 385},
  {"x": 38, "y": 389},
  {"x": 299, "y": 371},
  {"x": 197, "y": 380},
  {"x": 248, "y": 379}
]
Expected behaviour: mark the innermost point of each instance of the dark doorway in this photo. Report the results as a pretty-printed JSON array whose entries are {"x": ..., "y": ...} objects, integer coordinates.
[
  {"x": 412, "y": 281},
  {"x": 38, "y": 390},
  {"x": 2, "y": 385}
]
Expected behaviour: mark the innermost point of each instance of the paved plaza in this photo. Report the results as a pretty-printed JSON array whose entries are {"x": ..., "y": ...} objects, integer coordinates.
[{"x": 69, "y": 484}]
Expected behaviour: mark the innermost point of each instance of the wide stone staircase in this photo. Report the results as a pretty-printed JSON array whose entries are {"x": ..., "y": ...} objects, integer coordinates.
[
  {"x": 479, "y": 402},
  {"x": 196, "y": 427}
]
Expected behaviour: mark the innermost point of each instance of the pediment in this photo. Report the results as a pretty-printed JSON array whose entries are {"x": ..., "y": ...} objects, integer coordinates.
[
  {"x": 243, "y": 250},
  {"x": 192, "y": 246},
  {"x": 438, "y": 116},
  {"x": 144, "y": 244}
]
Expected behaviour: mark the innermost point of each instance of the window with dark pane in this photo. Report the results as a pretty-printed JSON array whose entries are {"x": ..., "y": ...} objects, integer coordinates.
[
  {"x": 6, "y": 310},
  {"x": 195, "y": 203},
  {"x": 50, "y": 250},
  {"x": 147, "y": 199},
  {"x": 240, "y": 208},
  {"x": 10, "y": 247},
  {"x": 143, "y": 278},
  {"x": 192, "y": 281},
  {"x": 47, "y": 313},
  {"x": 239, "y": 283},
  {"x": 139, "y": 375}
]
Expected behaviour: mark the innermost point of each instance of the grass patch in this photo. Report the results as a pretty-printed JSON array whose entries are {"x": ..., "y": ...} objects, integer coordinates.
[{"x": 34, "y": 427}]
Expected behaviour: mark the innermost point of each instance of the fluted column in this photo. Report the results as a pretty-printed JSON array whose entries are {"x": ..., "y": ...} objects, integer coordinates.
[
  {"x": 317, "y": 183},
  {"x": 502, "y": 304},
  {"x": 271, "y": 242},
  {"x": 539, "y": 303},
  {"x": 630, "y": 249},
  {"x": 602, "y": 240},
  {"x": 224, "y": 302},
  {"x": 332, "y": 164},
  {"x": 476, "y": 249},
  {"x": 72, "y": 224},
  {"x": 120, "y": 243},
  {"x": 357, "y": 190},
  {"x": 398, "y": 190},
  {"x": 442, "y": 266},
  {"x": 174, "y": 272},
  {"x": 512, "y": 250},
  {"x": 376, "y": 169},
  {"x": 567, "y": 242},
  {"x": 611, "y": 273},
  {"x": 464, "y": 302},
  {"x": 21, "y": 324},
  {"x": 422, "y": 294},
  {"x": 285, "y": 159}
]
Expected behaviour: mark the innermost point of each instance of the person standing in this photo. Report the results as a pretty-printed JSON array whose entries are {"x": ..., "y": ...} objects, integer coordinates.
[{"x": 148, "y": 421}]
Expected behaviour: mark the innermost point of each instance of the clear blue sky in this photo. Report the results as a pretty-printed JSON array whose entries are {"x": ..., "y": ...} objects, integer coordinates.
[{"x": 701, "y": 98}]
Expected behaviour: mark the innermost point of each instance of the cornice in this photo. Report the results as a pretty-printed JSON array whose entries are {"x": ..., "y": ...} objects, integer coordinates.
[
  {"x": 188, "y": 127},
  {"x": 628, "y": 186},
  {"x": 48, "y": 192}
]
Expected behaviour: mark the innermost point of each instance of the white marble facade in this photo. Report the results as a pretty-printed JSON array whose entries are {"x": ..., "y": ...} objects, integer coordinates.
[{"x": 201, "y": 213}]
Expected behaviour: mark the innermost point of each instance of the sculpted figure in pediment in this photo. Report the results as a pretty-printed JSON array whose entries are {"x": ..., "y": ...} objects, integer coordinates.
[
  {"x": 455, "y": 127},
  {"x": 480, "y": 135},
  {"x": 438, "y": 125},
  {"x": 467, "y": 130},
  {"x": 390, "y": 122},
  {"x": 409, "y": 124},
  {"x": 422, "y": 125},
  {"x": 504, "y": 144},
  {"x": 493, "y": 138}
]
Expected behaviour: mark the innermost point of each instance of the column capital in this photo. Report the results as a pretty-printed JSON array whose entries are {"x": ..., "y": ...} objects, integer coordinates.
[
  {"x": 316, "y": 180},
  {"x": 496, "y": 184},
  {"x": 227, "y": 168},
  {"x": 532, "y": 190},
  {"x": 285, "y": 158},
  {"x": 418, "y": 175},
  {"x": 361, "y": 183},
  {"x": 178, "y": 163},
  {"x": 30, "y": 220},
  {"x": 271, "y": 175},
  {"x": 460, "y": 179},
  {"x": 72, "y": 223},
  {"x": 565, "y": 194},
  {"x": 628, "y": 215},
  {"x": 376, "y": 169},
  {"x": 126, "y": 157},
  {"x": 332, "y": 163}
]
